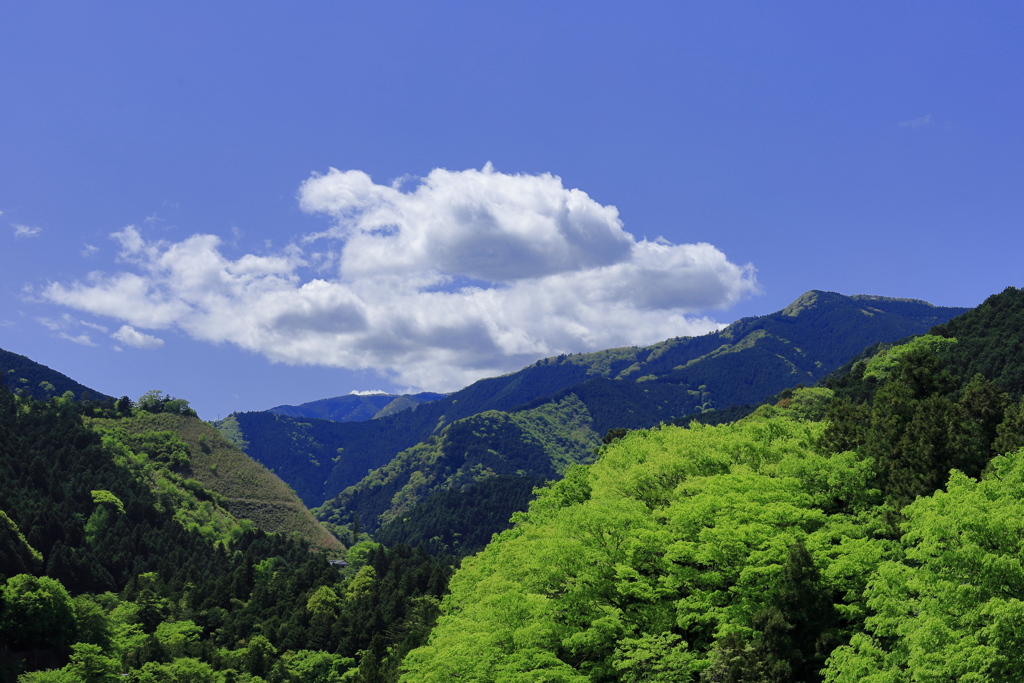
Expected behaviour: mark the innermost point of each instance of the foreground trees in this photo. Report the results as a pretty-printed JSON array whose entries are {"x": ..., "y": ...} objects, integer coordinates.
[
  {"x": 951, "y": 605},
  {"x": 717, "y": 549},
  {"x": 764, "y": 551}
]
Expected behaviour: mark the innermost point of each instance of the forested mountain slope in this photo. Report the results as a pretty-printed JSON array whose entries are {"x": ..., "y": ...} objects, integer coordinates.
[
  {"x": 868, "y": 530},
  {"x": 114, "y": 563},
  {"x": 621, "y": 388},
  {"x": 991, "y": 341},
  {"x": 468, "y": 457},
  {"x": 25, "y": 377},
  {"x": 243, "y": 487}
]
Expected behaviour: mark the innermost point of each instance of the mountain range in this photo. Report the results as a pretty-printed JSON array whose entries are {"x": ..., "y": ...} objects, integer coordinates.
[
  {"x": 534, "y": 423},
  {"x": 707, "y": 553}
]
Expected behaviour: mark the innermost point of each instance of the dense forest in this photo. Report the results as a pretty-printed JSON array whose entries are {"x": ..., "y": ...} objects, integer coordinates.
[
  {"x": 115, "y": 562},
  {"x": 867, "y": 528}
]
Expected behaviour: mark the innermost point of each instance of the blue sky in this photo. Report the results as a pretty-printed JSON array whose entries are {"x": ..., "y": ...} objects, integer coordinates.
[{"x": 249, "y": 204}]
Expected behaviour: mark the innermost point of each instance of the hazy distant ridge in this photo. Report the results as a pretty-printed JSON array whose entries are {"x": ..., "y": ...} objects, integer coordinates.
[{"x": 355, "y": 407}]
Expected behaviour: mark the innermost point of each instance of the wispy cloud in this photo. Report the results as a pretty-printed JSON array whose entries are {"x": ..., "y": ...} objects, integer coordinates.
[
  {"x": 82, "y": 339},
  {"x": 25, "y": 230},
  {"x": 464, "y": 274},
  {"x": 67, "y": 325},
  {"x": 920, "y": 122},
  {"x": 88, "y": 250},
  {"x": 140, "y": 340}
]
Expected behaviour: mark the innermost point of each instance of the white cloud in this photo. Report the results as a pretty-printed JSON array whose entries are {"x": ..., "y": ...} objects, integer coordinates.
[
  {"x": 25, "y": 230},
  {"x": 88, "y": 250},
  {"x": 140, "y": 340},
  {"x": 478, "y": 224},
  {"x": 82, "y": 339},
  {"x": 368, "y": 392},
  {"x": 66, "y": 325},
  {"x": 467, "y": 274},
  {"x": 919, "y": 122}
]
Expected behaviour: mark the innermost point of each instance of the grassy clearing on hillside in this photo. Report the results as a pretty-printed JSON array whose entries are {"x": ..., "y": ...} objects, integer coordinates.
[{"x": 243, "y": 487}]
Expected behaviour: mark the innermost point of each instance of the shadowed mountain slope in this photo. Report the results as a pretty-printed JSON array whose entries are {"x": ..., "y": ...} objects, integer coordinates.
[{"x": 26, "y": 377}]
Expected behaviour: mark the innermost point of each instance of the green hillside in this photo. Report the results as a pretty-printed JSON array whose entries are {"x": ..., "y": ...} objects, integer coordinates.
[
  {"x": 118, "y": 563},
  {"x": 537, "y": 444},
  {"x": 243, "y": 487},
  {"x": 869, "y": 530},
  {"x": 991, "y": 341},
  {"x": 621, "y": 388}
]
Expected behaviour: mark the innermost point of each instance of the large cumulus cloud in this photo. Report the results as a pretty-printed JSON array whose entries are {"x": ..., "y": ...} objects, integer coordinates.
[{"x": 462, "y": 275}]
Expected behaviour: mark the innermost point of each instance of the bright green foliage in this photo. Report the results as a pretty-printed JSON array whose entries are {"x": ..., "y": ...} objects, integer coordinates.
[
  {"x": 644, "y": 560},
  {"x": 108, "y": 498},
  {"x": 182, "y": 670},
  {"x": 883, "y": 363},
  {"x": 153, "y": 402},
  {"x": 807, "y": 403},
  {"x": 324, "y": 600},
  {"x": 361, "y": 584},
  {"x": 178, "y": 638},
  {"x": 357, "y": 555},
  {"x": 37, "y": 612},
  {"x": 162, "y": 446},
  {"x": 952, "y": 608},
  {"x": 90, "y": 665},
  {"x": 258, "y": 656},
  {"x": 92, "y": 621},
  {"x": 312, "y": 666}
]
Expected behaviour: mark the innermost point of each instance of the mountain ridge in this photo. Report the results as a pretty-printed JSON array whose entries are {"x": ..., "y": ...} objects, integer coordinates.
[
  {"x": 26, "y": 377},
  {"x": 621, "y": 388},
  {"x": 355, "y": 407}
]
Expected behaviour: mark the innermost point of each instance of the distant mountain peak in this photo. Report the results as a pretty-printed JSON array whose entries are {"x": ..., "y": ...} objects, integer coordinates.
[{"x": 817, "y": 297}]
